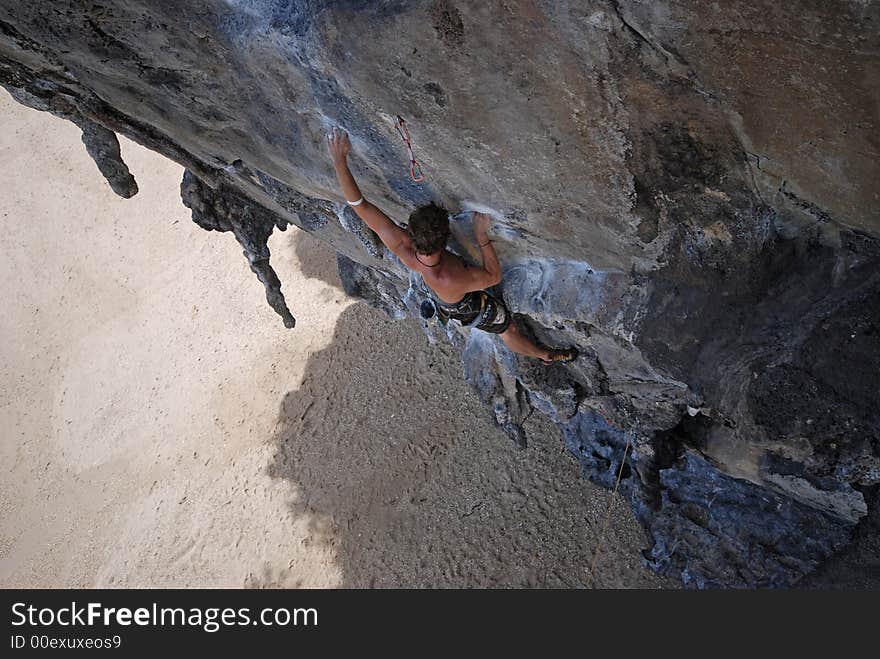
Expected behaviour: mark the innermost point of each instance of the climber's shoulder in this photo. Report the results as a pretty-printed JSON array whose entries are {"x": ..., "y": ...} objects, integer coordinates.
[{"x": 401, "y": 246}]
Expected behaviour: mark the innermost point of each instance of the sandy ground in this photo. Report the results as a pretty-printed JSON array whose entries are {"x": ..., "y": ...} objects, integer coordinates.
[{"x": 160, "y": 427}]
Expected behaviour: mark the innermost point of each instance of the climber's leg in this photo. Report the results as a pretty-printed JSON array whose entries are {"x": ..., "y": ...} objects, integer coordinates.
[
  {"x": 501, "y": 322},
  {"x": 516, "y": 341}
]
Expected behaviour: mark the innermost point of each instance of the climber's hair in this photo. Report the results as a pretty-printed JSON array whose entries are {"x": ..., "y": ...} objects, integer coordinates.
[{"x": 429, "y": 228}]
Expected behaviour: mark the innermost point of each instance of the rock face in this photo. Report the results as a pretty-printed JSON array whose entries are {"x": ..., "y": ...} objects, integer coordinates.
[{"x": 685, "y": 191}]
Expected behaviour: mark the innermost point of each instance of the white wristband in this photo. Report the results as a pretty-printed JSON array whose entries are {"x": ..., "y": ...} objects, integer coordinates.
[{"x": 355, "y": 203}]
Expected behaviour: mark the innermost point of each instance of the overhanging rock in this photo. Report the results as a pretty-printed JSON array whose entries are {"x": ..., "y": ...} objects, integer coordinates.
[{"x": 686, "y": 192}]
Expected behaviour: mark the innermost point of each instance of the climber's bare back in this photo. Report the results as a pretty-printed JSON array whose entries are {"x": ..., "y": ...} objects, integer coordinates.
[{"x": 451, "y": 279}]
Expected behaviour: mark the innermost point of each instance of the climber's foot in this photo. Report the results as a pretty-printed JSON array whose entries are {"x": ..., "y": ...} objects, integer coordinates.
[{"x": 564, "y": 356}]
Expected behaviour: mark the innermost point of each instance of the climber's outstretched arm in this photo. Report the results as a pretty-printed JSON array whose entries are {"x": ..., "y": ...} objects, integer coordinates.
[
  {"x": 395, "y": 238},
  {"x": 490, "y": 273}
]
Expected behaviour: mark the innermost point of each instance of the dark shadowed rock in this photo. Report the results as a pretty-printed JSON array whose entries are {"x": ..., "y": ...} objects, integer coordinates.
[
  {"x": 685, "y": 192},
  {"x": 224, "y": 209},
  {"x": 103, "y": 147}
]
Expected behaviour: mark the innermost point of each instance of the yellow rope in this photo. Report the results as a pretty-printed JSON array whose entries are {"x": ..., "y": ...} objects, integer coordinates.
[{"x": 607, "y": 516}]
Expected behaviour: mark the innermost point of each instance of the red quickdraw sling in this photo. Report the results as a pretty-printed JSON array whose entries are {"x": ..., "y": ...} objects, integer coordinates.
[{"x": 415, "y": 169}]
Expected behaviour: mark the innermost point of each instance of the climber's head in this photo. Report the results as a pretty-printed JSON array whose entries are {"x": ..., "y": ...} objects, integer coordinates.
[{"x": 429, "y": 228}]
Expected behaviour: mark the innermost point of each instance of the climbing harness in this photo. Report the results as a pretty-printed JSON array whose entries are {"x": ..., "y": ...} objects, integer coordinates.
[
  {"x": 415, "y": 169},
  {"x": 479, "y": 309},
  {"x": 608, "y": 515}
]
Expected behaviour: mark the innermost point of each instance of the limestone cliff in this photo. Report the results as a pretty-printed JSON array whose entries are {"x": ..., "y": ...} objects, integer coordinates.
[{"x": 685, "y": 190}]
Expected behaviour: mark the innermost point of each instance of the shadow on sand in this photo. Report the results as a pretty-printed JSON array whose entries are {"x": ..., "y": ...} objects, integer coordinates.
[{"x": 407, "y": 480}]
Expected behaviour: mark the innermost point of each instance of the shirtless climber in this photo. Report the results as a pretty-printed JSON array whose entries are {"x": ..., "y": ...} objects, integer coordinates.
[{"x": 422, "y": 247}]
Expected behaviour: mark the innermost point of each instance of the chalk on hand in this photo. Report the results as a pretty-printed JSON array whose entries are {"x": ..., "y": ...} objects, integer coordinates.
[{"x": 473, "y": 207}]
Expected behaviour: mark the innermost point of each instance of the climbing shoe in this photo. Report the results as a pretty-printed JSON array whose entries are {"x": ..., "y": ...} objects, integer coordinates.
[{"x": 563, "y": 356}]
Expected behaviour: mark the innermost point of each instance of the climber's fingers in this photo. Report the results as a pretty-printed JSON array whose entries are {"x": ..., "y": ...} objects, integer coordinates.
[
  {"x": 482, "y": 222},
  {"x": 338, "y": 142}
]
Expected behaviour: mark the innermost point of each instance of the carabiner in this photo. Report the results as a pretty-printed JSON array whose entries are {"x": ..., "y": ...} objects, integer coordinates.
[{"x": 415, "y": 172}]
